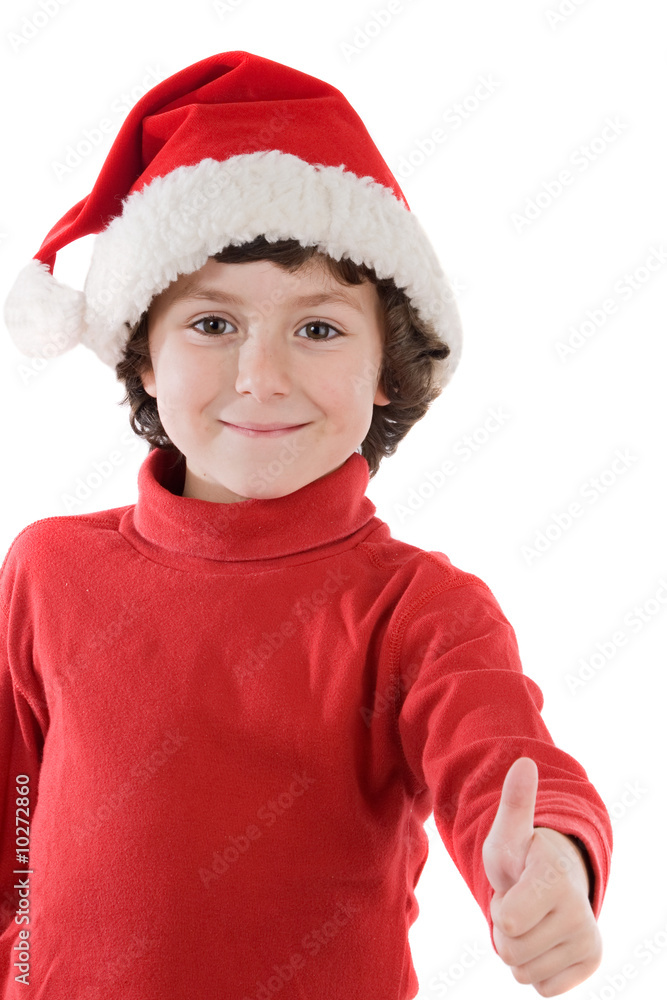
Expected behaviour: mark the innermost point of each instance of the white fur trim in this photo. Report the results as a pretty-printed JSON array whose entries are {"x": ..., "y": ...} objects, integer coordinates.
[
  {"x": 176, "y": 222},
  {"x": 43, "y": 317}
]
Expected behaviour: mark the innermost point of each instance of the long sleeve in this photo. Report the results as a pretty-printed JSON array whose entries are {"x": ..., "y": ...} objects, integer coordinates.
[
  {"x": 468, "y": 712},
  {"x": 22, "y": 724}
]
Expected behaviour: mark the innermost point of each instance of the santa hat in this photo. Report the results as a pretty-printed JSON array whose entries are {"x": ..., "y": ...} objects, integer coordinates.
[{"x": 233, "y": 147}]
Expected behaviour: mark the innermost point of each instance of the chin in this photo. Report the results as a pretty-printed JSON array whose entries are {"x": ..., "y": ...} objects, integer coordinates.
[{"x": 270, "y": 491}]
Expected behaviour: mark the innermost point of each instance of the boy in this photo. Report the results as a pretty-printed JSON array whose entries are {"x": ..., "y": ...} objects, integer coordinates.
[{"x": 229, "y": 708}]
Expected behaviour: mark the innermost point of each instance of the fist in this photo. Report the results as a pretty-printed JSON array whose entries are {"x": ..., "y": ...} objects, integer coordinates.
[{"x": 543, "y": 923}]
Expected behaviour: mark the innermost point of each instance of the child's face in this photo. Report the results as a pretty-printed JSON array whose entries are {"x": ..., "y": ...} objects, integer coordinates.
[{"x": 263, "y": 359}]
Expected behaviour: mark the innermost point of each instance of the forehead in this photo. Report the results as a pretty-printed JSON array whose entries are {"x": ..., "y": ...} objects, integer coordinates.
[{"x": 263, "y": 281}]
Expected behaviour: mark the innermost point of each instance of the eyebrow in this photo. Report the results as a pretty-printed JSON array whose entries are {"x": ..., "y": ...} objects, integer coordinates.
[{"x": 227, "y": 298}]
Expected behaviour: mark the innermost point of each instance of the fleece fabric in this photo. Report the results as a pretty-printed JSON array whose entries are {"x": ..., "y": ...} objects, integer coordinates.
[{"x": 232, "y": 721}]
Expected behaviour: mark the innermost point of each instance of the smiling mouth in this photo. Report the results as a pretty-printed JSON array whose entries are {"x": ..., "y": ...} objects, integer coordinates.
[{"x": 255, "y": 432}]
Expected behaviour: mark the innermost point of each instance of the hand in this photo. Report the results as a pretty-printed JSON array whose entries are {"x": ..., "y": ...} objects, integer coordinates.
[{"x": 543, "y": 923}]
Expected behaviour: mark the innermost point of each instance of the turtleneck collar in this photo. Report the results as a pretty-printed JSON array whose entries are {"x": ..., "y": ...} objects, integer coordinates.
[{"x": 332, "y": 511}]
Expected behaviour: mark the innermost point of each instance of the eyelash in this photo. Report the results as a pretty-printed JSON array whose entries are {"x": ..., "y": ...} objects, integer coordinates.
[{"x": 313, "y": 322}]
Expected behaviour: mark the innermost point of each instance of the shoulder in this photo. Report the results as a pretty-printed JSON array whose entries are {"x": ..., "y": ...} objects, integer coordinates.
[
  {"x": 47, "y": 542},
  {"x": 429, "y": 595},
  {"x": 419, "y": 570}
]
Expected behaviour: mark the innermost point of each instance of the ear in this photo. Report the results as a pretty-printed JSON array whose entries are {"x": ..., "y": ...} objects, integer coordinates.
[
  {"x": 380, "y": 398},
  {"x": 148, "y": 381}
]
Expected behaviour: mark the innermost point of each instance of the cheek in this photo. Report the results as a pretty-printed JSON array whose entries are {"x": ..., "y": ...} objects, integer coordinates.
[
  {"x": 347, "y": 396},
  {"x": 186, "y": 382}
]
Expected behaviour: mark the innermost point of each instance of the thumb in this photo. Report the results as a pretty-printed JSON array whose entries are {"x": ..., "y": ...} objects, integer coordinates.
[{"x": 506, "y": 846}]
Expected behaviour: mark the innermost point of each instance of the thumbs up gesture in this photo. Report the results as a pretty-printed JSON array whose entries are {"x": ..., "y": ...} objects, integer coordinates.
[{"x": 543, "y": 923}]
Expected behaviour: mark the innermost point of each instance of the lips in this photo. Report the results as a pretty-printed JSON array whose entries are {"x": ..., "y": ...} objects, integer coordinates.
[
  {"x": 263, "y": 430},
  {"x": 265, "y": 427}
]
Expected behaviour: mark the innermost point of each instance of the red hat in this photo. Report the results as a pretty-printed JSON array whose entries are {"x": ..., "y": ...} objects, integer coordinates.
[{"x": 233, "y": 147}]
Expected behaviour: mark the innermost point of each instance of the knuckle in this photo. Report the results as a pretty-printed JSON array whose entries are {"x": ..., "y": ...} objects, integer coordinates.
[
  {"x": 506, "y": 952},
  {"x": 552, "y": 987},
  {"x": 522, "y": 975},
  {"x": 507, "y": 923}
]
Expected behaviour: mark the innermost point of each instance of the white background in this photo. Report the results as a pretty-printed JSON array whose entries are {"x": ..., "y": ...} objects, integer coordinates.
[{"x": 521, "y": 291}]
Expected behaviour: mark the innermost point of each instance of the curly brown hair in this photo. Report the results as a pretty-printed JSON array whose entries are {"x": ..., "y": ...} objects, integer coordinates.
[{"x": 410, "y": 371}]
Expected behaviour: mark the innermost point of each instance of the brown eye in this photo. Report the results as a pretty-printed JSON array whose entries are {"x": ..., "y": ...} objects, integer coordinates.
[
  {"x": 317, "y": 325},
  {"x": 212, "y": 325}
]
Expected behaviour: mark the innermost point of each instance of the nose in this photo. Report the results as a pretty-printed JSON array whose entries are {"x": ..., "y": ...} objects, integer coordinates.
[{"x": 263, "y": 364}]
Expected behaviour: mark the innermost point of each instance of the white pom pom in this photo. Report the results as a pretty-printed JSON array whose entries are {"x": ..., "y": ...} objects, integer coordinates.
[{"x": 44, "y": 318}]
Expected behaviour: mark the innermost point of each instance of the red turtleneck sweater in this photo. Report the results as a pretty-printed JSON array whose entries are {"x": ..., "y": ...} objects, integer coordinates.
[{"x": 232, "y": 721}]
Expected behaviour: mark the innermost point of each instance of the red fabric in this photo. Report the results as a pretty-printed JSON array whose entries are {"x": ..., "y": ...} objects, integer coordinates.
[
  {"x": 227, "y": 104},
  {"x": 235, "y": 719}
]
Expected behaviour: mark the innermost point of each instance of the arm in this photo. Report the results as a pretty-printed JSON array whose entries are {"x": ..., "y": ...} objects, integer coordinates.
[{"x": 468, "y": 713}]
